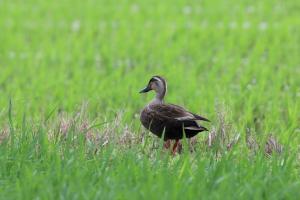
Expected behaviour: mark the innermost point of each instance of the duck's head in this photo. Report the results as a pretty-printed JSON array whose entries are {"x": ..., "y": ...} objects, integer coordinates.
[{"x": 158, "y": 84}]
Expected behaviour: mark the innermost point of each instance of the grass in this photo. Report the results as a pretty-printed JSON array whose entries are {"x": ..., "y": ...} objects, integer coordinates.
[{"x": 69, "y": 105}]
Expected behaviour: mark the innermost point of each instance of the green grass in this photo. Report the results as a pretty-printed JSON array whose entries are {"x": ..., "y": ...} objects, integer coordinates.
[{"x": 68, "y": 65}]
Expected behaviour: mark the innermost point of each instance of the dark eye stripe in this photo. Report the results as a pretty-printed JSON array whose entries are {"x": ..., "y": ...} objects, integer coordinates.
[{"x": 153, "y": 79}]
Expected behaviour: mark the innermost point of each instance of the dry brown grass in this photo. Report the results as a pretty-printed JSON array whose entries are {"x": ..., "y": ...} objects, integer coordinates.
[
  {"x": 273, "y": 146},
  {"x": 222, "y": 136},
  {"x": 4, "y": 134}
]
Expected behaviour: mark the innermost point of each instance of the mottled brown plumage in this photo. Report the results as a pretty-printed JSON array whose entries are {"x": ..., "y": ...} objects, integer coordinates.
[{"x": 169, "y": 120}]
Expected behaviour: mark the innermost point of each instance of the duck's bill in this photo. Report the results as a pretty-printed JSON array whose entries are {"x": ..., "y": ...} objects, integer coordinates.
[{"x": 146, "y": 89}]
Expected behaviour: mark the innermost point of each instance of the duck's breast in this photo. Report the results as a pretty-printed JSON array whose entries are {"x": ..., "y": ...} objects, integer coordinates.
[
  {"x": 144, "y": 118},
  {"x": 152, "y": 122}
]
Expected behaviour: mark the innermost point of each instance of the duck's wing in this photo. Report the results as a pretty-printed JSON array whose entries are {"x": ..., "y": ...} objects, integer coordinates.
[
  {"x": 174, "y": 114},
  {"x": 187, "y": 114}
]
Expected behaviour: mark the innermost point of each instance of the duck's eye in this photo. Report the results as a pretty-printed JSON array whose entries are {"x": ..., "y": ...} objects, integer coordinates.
[{"x": 153, "y": 85}]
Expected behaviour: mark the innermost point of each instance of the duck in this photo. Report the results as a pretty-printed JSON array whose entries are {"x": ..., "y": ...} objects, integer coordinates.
[{"x": 170, "y": 121}]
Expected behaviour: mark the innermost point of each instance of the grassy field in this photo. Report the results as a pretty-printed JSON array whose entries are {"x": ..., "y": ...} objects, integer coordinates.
[{"x": 70, "y": 72}]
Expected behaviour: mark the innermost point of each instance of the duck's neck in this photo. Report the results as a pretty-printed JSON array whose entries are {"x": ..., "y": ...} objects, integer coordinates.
[
  {"x": 156, "y": 101},
  {"x": 159, "y": 98}
]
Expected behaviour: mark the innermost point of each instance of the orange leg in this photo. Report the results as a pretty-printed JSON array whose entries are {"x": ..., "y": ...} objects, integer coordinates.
[
  {"x": 167, "y": 144},
  {"x": 175, "y": 147}
]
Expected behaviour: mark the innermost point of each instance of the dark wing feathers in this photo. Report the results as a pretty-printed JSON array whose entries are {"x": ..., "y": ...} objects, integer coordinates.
[
  {"x": 169, "y": 111},
  {"x": 194, "y": 128},
  {"x": 174, "y": 113},
  {"x": 198, "y": 117},
  {"x": 184, "y": 112}
]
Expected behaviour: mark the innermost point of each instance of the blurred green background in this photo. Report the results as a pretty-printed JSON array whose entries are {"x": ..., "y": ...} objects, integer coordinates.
[{"x": 63, "y": 53}]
